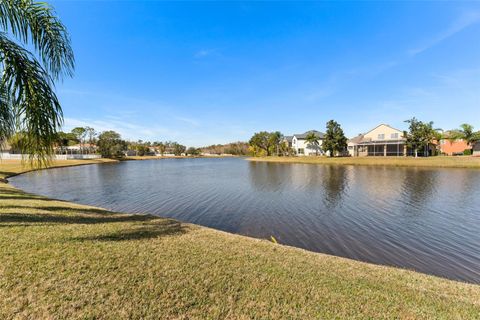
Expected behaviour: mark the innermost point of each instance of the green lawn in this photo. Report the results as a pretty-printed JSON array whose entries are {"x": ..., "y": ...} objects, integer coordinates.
[
  {"x": 67, "y": 261},
  {"x": 440, "y": 162}
]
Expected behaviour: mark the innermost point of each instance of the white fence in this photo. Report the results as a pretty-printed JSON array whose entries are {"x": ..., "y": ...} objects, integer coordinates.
[{"x": 10, "y": 156}]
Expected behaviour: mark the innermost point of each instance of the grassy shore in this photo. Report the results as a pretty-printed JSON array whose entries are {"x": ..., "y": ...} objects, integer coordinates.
[
  {"x": 63, "y": 260},
  {"x": 439, "y": 162}
]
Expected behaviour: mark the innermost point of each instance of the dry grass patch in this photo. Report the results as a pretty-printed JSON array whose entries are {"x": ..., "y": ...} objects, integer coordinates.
[{"x": 440, "y": 162}]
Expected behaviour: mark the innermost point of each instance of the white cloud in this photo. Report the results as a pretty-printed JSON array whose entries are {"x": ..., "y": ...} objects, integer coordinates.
[
  {"x": 464, "y": 21},
  {"x": 128, "y": 130}
]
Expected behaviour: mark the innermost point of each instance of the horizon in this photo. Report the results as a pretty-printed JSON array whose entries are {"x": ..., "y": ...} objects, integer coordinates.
[{"x": 215, "y": 73}]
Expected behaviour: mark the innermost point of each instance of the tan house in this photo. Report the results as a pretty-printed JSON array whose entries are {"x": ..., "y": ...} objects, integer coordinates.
[{"x": 382, "y": 140}]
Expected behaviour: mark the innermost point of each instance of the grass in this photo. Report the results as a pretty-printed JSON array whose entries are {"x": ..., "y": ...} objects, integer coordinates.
[
  {"x": 62, "y": 260},
  {"x": 439, "y": 162}
]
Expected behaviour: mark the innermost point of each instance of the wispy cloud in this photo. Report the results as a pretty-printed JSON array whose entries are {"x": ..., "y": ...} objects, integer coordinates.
[
  {"x": 203, "y": 53},
  {"x": 190, "y": 121},
  {"x": 464, "y": 21},
  {"x": 128, "y": 130}
]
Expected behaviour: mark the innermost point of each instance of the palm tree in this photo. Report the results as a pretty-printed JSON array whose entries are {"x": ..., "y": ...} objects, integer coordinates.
[
  {"x": 312, "y": 140},
  {"x": 28, "y": 103},
  {"x": 467, "y": 134}
]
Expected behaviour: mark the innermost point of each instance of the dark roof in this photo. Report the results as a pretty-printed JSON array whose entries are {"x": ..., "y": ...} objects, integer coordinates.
[
  {"x": 289, "y": 138},
  {"x": 319, "y": 134}
]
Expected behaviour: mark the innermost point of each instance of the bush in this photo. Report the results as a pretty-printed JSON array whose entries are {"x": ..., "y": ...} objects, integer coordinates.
[{"x": 467, "y": 152}]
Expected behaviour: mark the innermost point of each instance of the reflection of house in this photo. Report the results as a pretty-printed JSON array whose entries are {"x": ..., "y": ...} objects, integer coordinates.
[
  {"x": 382, "y": 140},
  {"x": 302, "y": 147}
]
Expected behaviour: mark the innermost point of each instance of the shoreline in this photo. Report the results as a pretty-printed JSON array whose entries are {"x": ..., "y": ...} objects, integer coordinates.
[
  {"x": 249, "y": 260},
  {"x": 458, "y": 162}
]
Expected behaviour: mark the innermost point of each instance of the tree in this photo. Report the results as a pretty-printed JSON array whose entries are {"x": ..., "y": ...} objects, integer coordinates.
[
  {"x": 335, "y": 140},
  {"x": 28, "y": 103},
  {"x": 91, "y": 134},
  {"x": 162, "y": 147},
  {"x": 178, "y": 149},
  {"x": 274, "y": 141},
  {"x": 193, "y": 151},
  {"x": 467, "y": 134},
  {"x": 420, "y": 135},
  {"x": 266, "y": 141},
  {"x": 142, "y": 150},
  {"x": 80, "y": 133},
  {"x": 64, "y": 140},
  {"x": 313, "y": 141},
  {"x": 111, "y": 145}
]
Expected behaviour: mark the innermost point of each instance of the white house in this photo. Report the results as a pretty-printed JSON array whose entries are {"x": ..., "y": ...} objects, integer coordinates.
[{"x": 304, "y": 148}]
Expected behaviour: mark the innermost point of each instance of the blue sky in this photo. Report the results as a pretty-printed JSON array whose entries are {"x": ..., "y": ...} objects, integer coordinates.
[{"x": 215, "y": 72}]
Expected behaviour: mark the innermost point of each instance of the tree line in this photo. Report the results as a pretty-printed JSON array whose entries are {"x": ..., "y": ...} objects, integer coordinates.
[{"x": 110, "y": 144}]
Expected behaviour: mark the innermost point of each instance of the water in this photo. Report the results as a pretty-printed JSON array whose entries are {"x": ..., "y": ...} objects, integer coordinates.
[{"x": 422, "y": 219}]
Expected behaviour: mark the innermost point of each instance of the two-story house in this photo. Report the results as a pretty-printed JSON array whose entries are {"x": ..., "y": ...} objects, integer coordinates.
[
  {"x": 382, "y": 140},
  {"x": 304, "y": 148}
]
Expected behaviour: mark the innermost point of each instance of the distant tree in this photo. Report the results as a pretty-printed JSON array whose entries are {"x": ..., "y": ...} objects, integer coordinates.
[
  {"x": 161, "y": 148},
  {"x": 65, "y": 139},
  {"x": 91, "y": 134},
  {"x": 274, "y": 142},
  {"x": 313, "y": 141},
  {"x": 193, "y": 151},
  {"x": 80, "y": 133},
  {"x": 142, "y": 150},
  {"x": 178, "y": 149},
  {"x": 111, "y": 145},
  {"x": 260, "y": 140},
  {"x": 266, "y": 141},
  {"x": 335, "y": 140},
  {"x": 420, "y": 135},
  {"x": 285, "y": 149}
]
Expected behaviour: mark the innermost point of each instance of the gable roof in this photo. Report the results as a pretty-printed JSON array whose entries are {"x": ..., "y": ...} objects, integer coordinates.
[
  {"x": 357, "y": 139},
  {"x": 382, "y": 124},
  {"x": 319, "y": 134},
  {"x": 288, "y": 138}
]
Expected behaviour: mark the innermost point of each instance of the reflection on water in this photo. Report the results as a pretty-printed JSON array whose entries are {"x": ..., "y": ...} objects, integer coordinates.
[{"x": 422, "y": 219}]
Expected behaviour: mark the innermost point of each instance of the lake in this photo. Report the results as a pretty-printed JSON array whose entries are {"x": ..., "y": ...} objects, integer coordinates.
[{"x": 422, "y": 219}]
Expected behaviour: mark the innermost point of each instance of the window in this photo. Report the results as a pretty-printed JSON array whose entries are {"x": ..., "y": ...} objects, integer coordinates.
[
  {"x": 394, "y": 136},
  {"x": 381, "y": 136},
  {"x": 301, "y": 151}
]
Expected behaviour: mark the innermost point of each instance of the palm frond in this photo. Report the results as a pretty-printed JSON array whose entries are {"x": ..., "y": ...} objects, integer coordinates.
[
  {"x": 34, "y": 104},
  {"x": 36, "y": 23}
]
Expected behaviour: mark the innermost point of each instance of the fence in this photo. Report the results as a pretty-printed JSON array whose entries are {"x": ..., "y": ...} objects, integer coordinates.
[{"x": 11, "y": 156}]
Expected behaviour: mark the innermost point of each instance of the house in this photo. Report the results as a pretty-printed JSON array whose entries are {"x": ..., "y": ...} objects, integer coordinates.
[
  {"x": 476, "y": 149},
  {"x": 452, "y": 147},
  {"x": 303, "y": 148},
  {"x": 384, "y": 141}
]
